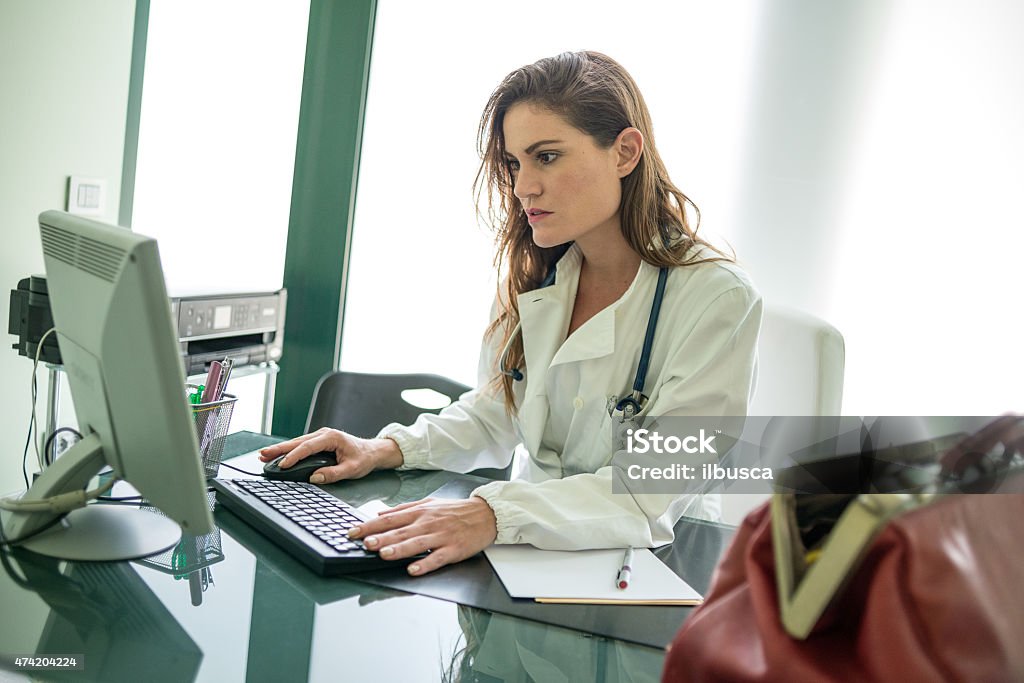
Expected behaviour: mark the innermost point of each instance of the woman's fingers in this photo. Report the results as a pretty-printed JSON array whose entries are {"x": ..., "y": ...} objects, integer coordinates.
[
  {"x": 434, "y": 560},
  {"x": 404, "y": 506},
  {"x": 274, "y": 450},
  {"x": 350, "y": 467},
  {"x": 450, "y": 530},
  {"x": 411, "y": 546},
  {"x": 382, "y": 524},
  {"x": 305, "y": 449},
  {"x": 304, "y": 446}
]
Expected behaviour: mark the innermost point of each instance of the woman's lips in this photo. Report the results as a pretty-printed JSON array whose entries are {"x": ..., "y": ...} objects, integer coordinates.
[{"x": 537, "y": 216}]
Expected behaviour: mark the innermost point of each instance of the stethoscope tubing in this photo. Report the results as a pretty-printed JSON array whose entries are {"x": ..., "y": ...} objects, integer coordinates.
[{"x": 636, "y": 398}]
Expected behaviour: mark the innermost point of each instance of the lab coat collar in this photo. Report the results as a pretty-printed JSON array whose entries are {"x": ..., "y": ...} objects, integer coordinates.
[
  {"x": 545, "y": 315},
  {"x": 596, "y": 337}
]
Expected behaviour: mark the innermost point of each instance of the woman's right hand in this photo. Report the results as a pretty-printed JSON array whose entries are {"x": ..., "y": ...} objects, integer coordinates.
[{"x": 356, "y": 457}]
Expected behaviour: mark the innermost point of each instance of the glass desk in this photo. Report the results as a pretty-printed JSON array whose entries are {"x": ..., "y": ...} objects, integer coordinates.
[{"x": 231, "y": 606}]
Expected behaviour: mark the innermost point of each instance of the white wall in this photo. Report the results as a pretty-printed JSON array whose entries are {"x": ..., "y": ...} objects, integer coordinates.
[
  {"x": 64, "y": 91},
  {"x": 434, "y": 66},
  {"x": 883, "y": 160},
  {"x": 863, "y": 158},
  {"x": 64, "y": 69}
]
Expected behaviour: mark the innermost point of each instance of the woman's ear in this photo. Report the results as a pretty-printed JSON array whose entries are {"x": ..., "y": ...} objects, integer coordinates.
[{"x": 629, "y": 145}]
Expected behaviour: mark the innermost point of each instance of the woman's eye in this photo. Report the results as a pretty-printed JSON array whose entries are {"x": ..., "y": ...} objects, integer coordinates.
[
  {"x": 547, "y": 157},
  {"x": 513, "y": 165}
]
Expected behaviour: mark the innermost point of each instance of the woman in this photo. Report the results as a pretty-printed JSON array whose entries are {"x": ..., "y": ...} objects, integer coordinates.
[{"x": 587, "y": 221}]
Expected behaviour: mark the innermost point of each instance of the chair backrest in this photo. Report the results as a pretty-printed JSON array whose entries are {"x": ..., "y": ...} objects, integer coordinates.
[
  {"x": 362, "y": 404},
  {"x": 800, "y": 365}
]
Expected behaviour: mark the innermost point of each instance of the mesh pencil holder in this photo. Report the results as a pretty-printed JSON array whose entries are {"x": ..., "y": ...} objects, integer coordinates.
[
  {"x": 212, "y": 421},
  {"x": 192, "y": 552}
]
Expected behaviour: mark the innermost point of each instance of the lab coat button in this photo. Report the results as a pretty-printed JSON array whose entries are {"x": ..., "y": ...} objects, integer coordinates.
[{"x": 578, "y": 403}]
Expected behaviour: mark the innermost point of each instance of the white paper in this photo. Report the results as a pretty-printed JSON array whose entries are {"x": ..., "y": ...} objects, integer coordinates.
[{"x": 583, "y": 575}]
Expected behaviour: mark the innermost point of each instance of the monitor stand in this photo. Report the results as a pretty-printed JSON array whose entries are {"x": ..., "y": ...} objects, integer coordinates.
[
  {"x": 95, "y": 532},
  {"x": 106, "y": 533}
]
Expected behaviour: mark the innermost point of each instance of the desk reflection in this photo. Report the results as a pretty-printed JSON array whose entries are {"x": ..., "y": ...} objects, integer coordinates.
[{"x": 106, "y": 612}]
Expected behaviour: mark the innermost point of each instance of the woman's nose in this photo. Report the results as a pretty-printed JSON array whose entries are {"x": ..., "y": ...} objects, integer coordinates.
[{"x": 526, "y": 185}]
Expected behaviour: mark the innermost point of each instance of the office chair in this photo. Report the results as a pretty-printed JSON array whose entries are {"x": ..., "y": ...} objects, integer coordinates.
[
  {"x": 800, "y": 367},
  {"x": 362, "y": 404}
]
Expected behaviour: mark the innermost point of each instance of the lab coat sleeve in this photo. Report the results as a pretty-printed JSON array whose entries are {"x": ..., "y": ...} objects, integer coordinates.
[
  {"x": 475, "y": 431},
  {"x": 710, "y": 372}
]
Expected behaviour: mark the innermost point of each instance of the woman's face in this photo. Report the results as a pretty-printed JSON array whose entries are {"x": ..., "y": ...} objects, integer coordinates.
[{"x": 567, "y": 185}]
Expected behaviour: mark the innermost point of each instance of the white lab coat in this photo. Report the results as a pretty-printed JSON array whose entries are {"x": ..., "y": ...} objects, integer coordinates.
[{"x": 702, "y": 364}]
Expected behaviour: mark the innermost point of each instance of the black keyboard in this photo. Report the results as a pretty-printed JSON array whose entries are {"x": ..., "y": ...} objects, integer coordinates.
[{"x": 304, "y": 520}]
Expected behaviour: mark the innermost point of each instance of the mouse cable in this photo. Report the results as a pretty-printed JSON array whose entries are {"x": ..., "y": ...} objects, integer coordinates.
[
  {"x": 135, "y": 501},
  {"x": 238, "y": 469}
]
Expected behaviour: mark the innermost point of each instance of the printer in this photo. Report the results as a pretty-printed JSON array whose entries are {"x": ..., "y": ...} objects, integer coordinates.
[{"x": 247, "y": 328}]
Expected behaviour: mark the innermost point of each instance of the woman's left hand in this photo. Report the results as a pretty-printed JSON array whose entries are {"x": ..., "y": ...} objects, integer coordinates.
[{"x": 451, "y": 529}]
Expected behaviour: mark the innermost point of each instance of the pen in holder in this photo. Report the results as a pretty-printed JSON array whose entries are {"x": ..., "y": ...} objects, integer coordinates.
[{"x": 212, "y": 421}]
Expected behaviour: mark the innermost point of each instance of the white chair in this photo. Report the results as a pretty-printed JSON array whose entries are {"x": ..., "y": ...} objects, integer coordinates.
[{"x": 800, "y": 366}]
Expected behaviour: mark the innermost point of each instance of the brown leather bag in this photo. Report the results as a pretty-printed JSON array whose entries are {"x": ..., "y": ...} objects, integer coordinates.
[{"x": 936, "y": 593}]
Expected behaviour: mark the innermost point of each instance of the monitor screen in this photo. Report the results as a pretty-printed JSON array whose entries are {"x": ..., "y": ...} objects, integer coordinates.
[{"x": 120, "y": 350}]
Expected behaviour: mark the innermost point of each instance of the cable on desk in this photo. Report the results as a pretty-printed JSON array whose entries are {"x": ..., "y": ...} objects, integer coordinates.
[
  {"x": 237, "y": 469},
  {"x": 6, "y": 543}
]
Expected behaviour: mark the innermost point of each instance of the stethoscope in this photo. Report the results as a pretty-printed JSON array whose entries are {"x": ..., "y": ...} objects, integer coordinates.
[{"x": 632, "y": 405}]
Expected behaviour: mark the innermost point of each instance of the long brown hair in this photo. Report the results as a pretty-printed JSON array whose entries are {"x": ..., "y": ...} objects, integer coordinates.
[{"x": 597, "y": 96}]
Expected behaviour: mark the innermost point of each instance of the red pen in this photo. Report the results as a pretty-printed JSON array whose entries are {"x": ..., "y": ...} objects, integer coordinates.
[{"x": 622, "y": 580}]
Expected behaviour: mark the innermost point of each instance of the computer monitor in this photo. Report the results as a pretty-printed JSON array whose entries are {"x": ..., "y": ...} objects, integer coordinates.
[{"x": 119, "y": 348}]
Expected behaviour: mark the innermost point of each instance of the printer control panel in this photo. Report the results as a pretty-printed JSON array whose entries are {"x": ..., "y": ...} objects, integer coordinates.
[
  {"x": 215, "y": 317},
  {"x": 249, "y": 328}
]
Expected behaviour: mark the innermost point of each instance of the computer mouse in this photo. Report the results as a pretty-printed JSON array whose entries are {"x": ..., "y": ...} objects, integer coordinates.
[{"x": 300, "y": 471}]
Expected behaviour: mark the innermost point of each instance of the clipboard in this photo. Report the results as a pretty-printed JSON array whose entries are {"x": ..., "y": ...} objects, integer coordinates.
[{"x": 587, "y": 577}]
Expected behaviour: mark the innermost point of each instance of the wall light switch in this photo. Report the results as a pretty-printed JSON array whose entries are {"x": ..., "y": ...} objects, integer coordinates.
[{"x": 87, "y": 196}]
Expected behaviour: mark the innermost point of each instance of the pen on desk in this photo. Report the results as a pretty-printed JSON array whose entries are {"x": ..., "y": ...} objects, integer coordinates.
[{"x": 622, "y": 580}]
